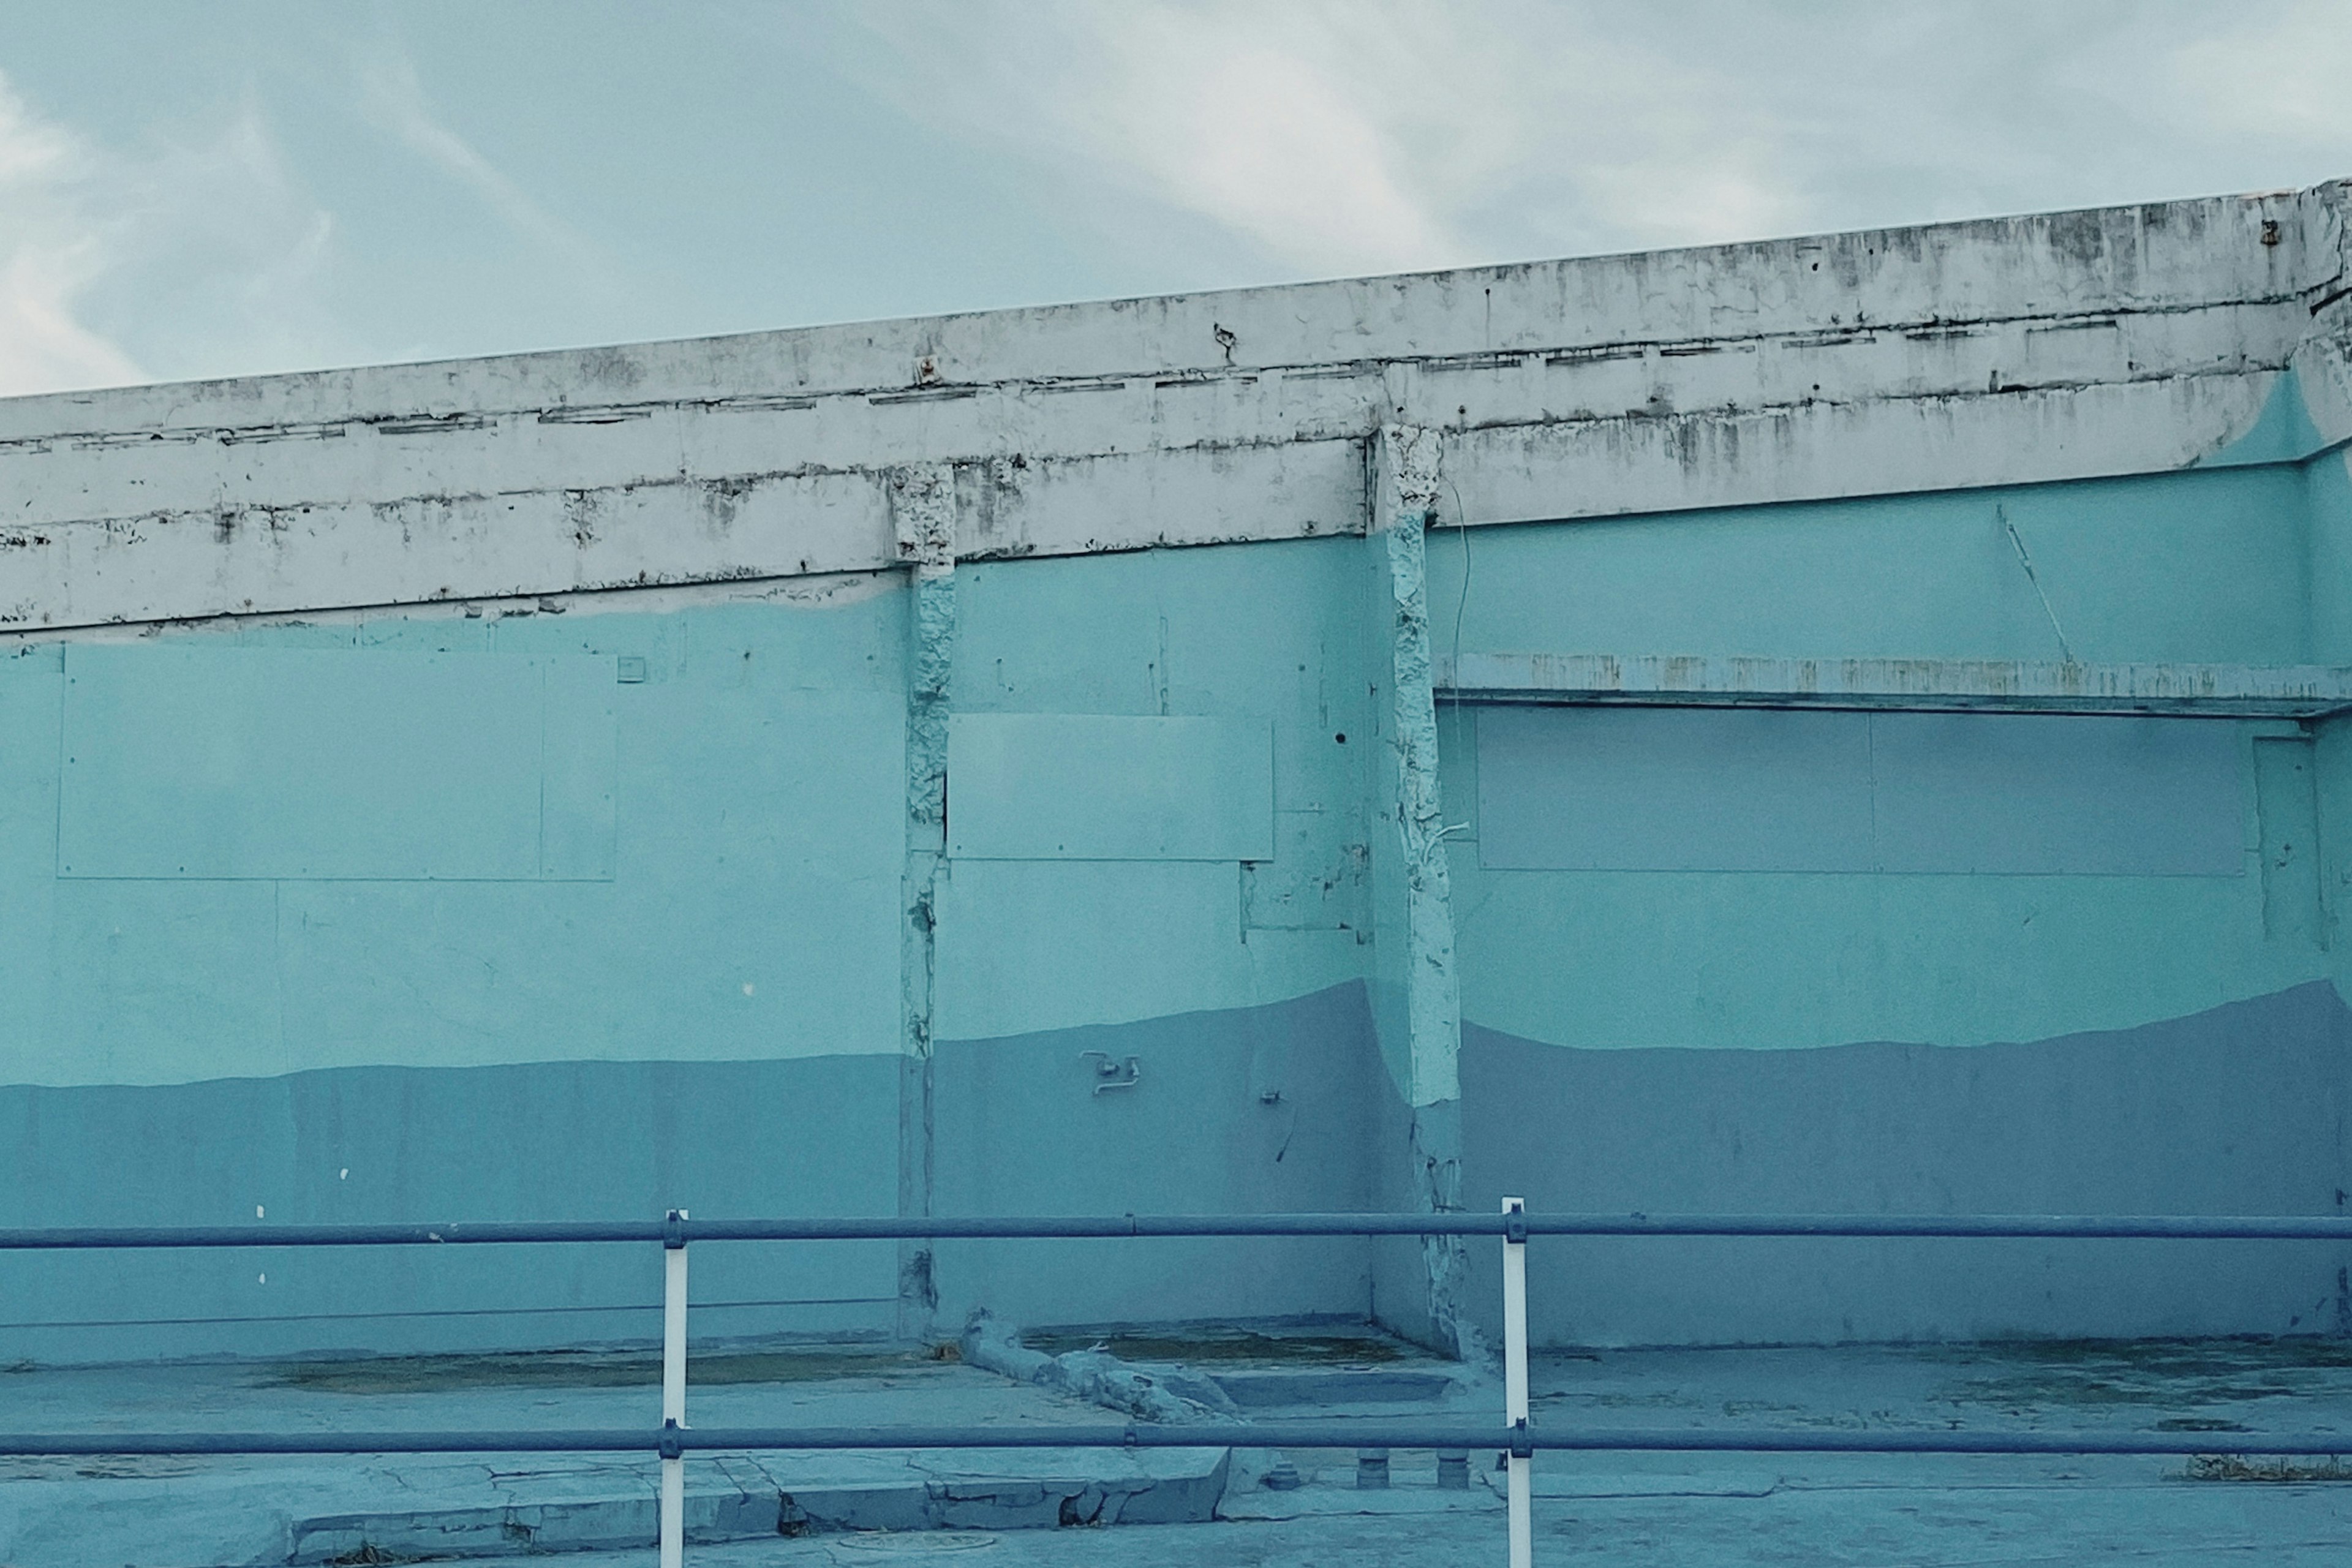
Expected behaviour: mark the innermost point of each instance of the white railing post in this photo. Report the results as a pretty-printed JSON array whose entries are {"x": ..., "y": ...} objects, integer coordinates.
[
  {"x": 672, "y": 1466},
  {"x": 1514, "y": 1385}
]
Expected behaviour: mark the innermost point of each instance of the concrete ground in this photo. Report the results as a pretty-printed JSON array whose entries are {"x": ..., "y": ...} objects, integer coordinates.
[
  {"x": 1866, "y": 1511},
  {"x": 1928, "y": 1525}
]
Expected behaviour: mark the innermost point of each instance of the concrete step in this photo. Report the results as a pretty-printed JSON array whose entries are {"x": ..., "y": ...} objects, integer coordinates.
[
  {"x": 479, "y": 1512},
  {"x": 1262, "y": 1388}
]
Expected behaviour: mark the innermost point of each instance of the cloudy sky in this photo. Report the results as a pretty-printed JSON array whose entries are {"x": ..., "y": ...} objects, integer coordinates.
[{"x": 246, "y": 185}]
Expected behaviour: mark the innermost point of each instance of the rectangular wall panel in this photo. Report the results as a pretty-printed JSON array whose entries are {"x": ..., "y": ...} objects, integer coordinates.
[
  {"x": 2051, "y": 794},
  {"x": 1730, "y": 789},
  {"x": 1089, "y": 786},
  {"x": 358, "y": 764},
  {"x": 1659, "y": 789}
]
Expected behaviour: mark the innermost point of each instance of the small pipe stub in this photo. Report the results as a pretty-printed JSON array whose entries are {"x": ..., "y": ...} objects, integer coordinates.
[
  {"x": 1111, "y": 1073},
  {"x": 1371, "y": 1469},
  {"x": 1454, "y": 1469}
]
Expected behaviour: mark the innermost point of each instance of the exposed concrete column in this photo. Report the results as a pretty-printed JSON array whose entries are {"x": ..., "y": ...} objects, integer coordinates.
[
  {"x": 1405, "y": 490},
  {"x": 922, "y": 511}
]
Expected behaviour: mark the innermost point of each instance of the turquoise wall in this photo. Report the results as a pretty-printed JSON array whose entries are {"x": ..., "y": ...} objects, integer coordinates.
[
  {"x": 2202, "y": 567},
  {"x": 584, "y": 914},
  {"x": 600, "y": 913},
  {"x": 1263, "y": 634},
  {"x": 1712, "y": 1039},
  {"x": 217, "y": 1048},
  {"x": 747, "y": 907},
  {"x": 2207, "y": 566}
]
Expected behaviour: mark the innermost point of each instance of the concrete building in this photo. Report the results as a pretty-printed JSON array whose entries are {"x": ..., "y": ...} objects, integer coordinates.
[{"x": 1846, "y": 723}]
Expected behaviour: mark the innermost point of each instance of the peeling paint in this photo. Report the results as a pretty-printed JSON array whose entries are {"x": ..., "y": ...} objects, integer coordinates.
[
  {"x": 1406, "y": 488},
  {"x": 923, "y": 516},
  {"x": 2015, "y": 351},
  {"x": 786, "y": 775},
  {"x": 2277, "y": 691}
]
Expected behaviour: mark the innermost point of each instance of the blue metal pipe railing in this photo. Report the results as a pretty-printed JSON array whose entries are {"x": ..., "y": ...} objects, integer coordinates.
[
  {"x": 1206, "y": 1435},
  {"x": 2062, "y": 1228},
  {"x": 673, "y": 1440}
]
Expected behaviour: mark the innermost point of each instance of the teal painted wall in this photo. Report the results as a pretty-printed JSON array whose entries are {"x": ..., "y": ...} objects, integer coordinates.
[
  {"x": 751, "y": 910},
  {"x": 1269, "y": 635},
  {"x": 659, "y": 957},
  {"x": 374, "y": 1047},
  {"x": 737, "y": 933},
  {"x": 1710, "y": 1038},
  {"x": 2202, "y": 567}
]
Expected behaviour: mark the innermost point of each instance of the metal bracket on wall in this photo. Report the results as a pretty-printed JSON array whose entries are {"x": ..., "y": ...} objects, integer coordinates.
[{"x": 1111, "y": 1073}]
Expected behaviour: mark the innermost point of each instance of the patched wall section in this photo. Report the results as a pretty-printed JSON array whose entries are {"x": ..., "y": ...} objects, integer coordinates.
[
  {"x": 1680, "y": 923},
  {"x": 542, "y": 1141},
  {"x": 2240, "y": 1110},
  {"x": 1259, "y": 1110},
  {"x": 405, "y": 920},
  {"x": 1153, "y": 927},
  {"x": 1767, "y": 877},
  {"x": 1159, "y": 803}
]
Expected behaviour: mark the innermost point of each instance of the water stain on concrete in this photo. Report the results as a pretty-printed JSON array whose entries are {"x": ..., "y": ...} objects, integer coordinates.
[
  {"x": 1198, "y": 1344},
  {"x": 2023, "y": 1376},
  {"x": 588, "y": 1369}
]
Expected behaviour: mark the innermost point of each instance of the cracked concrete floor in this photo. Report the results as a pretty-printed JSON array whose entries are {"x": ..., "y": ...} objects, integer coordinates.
[
  {"x": 1608, "y": 1511},
  {"x": 204, "y": 1512},
  {"x": 1914, "y": 1519}
]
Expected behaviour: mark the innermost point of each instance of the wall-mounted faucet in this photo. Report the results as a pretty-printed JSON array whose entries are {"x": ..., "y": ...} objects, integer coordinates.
[{"x": 1111, "y": 1073}]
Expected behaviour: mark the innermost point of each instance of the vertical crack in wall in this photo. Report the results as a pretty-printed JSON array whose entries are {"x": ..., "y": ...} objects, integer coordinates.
[
  {"x": 1405, "y": 498},
  {"x": 922, "y": 510}
]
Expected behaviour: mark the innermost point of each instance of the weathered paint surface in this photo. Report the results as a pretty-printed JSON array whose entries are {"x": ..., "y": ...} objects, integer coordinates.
[
  {"x": 2011, "y": 351},
  {"x": 799, "y": 774},
  {"x": 1902, "y": 685},
  {"x": 1419, "y": 1010},
  {"x": 2240, "y": 1110}
]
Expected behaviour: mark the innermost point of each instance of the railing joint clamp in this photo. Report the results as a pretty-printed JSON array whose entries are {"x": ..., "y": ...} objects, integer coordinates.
[
  {"x": 1522, "y": 1446},
  {"x": 673, "y": 1446},
  {"x": 1131, "y": 1434},
  {"x": 1515, "y": 1226},
  {"x": 673, "y": 1231}
]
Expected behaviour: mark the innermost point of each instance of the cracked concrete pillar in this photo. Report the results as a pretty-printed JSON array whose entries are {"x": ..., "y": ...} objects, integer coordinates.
[
  {"x": 923, "y": 514},
  {"x": 1417, "y": 997}
]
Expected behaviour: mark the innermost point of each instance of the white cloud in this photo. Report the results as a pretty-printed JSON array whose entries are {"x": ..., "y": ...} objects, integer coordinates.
[
  {"x": 1364, "y": 136},
  {"x": 199, "y": 255},
  {"x": 1379, "y": 134},
  {"x": 51, "y": 247},
  {"x": 393, "y": 98}
]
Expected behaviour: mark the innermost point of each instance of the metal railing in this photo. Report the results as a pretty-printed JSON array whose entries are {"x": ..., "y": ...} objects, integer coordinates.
[{"x": 673, "y": 1439}]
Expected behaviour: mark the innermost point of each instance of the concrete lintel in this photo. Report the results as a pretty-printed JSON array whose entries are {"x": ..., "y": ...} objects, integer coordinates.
[
  {"x": 2018, "y": 351},
  {"x": 1933, "y": 685}
]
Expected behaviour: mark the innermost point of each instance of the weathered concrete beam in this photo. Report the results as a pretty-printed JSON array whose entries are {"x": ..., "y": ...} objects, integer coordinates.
[
  {"x": 2212, "y": 691},
  {"x": 1410, "y": 875},
  {"x": 2151, "y": 258},
  {"x": 923, "y": 525},
  {"x": 2016, "y": 350},
  {"x": 2322, "y": 368}
]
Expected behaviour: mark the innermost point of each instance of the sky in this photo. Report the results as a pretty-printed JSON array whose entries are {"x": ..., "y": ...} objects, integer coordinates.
[{"x": 234, "y": 187}]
